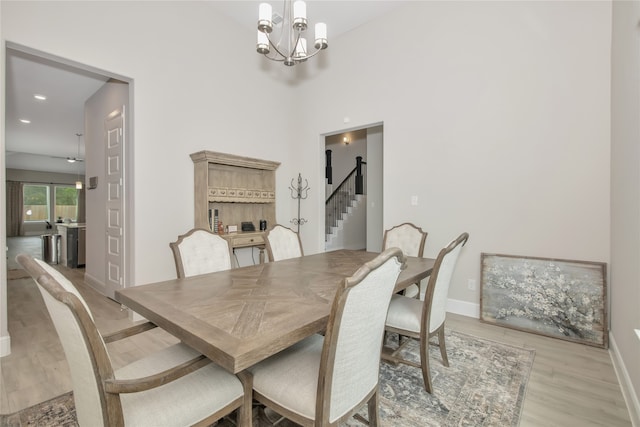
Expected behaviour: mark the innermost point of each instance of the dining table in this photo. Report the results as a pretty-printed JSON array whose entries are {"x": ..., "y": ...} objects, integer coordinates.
[{"x": 241, "y": 316}]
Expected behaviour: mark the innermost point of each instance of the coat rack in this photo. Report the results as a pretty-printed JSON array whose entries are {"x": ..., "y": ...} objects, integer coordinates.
[{"x": 299, "y": 192}]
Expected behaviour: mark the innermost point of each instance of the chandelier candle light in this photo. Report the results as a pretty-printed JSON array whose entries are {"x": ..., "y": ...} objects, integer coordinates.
[{"x": 291, "y": 46}]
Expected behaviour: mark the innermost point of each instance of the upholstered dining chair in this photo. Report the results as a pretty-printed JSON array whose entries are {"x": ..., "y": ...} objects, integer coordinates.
[
  {"x": 282, "y": 243},
  {"x": 200, "y": 251},
  {"x": 411, "y": 239},
  {"x": 321, "y": 381},
  {"x": 422, "y": 320},
  {"x": 174, "y": 386}
]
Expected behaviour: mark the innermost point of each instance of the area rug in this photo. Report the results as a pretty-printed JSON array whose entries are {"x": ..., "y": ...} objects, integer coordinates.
[{"x": 484, "y": 385}]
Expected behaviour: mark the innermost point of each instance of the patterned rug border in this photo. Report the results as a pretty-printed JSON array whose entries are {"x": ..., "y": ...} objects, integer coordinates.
[
  {"x": 60, "y": 410},
  {"x": 527, "y": 373}
]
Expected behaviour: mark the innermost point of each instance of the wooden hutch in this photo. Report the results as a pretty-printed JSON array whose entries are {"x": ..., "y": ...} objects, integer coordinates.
[{"x": 241, "y": 189}]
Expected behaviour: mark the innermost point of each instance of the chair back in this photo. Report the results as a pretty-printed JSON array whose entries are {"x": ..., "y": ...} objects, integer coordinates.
[
  {"x": 435, "y": 305},
  {"x": 83, "y": 346},
  {"x": 200, "y": 251},
  {"x": 353, "y": 340},
  {"x": 407, "y": 237},
  {"x": 283, "y": 243}
]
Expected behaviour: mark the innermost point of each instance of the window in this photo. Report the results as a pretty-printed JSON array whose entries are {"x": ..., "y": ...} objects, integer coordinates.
[
  {"x": 66, "y": 203},
  {"x": 38, "y": 207},
  {"x": 36, "y": 203}
]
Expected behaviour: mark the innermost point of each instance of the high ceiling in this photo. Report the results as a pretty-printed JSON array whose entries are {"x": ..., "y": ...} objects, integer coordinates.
[
  {"x": 46, "y": 142},
  {"x": 340, "y": 16}
]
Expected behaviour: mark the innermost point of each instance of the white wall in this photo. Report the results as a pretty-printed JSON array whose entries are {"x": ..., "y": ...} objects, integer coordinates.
[
  {"x": 625, "y": 199},
  {"x": 496, "y": 115}
]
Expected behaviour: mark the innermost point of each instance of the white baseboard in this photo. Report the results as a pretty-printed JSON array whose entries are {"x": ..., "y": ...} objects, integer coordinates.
[
  {"x": 463, "y": 308},
  {"x": 629, "y": 394},
  {"x": 5, "y": 345},
  {"x": 104, "y": 290},
  {"x": 94, "y": 283}
]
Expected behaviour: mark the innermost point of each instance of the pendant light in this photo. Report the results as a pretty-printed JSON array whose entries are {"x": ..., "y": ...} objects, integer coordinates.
[{"x": 78, "y": 182}]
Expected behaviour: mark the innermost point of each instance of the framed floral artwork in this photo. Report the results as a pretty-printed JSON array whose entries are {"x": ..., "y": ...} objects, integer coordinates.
[{"x": 553, "y": 297}]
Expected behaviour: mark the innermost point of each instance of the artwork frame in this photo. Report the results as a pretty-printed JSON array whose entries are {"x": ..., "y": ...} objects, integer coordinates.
[{"x": 559, "y": 298}]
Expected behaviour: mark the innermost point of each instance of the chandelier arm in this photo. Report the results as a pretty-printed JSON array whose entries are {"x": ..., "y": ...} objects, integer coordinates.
[
  {"x": 313, "y": 54},
  {"x": 275, "y": 48},
  {"x": 273, "y": 58}
]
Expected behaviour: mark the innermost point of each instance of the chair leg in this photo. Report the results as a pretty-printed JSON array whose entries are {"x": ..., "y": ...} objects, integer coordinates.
[
  {"x": 373, "y": 410},
  {"x": 443, "y": 348},
  {"x": 245, "y": 412},
  {"x": 424, "y": 363}
]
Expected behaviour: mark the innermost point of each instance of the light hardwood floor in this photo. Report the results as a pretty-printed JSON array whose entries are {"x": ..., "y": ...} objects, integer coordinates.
[{"x": 570, "y": 384}]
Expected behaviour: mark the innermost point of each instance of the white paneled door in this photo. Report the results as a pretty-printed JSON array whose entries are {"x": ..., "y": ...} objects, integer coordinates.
[{"x": 114, "y": 127}]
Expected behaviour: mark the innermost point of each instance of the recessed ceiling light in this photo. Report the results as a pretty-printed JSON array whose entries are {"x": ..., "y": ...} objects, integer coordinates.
[
  {"x": 25, "y": 121},
  {"x": 39, "y": 97}
]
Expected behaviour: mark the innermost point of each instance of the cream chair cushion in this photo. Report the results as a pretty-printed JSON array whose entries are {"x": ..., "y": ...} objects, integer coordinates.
[
  {"x": 299, "y": 363},
  {"x": 182, "y": 402},
  {"x": 410, "y": 239},
  {"x": 404, "y": 313},
  {"x": 406, "y": 237},
  {"x": 283, "y": 243},
  {"x": 294, "y": 377},
  {"x": 203, "y": 252},
  {"x": 185, "y": 401}
]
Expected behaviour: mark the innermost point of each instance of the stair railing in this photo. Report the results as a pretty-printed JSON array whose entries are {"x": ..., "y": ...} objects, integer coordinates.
[{"x": 342, "y": 197}]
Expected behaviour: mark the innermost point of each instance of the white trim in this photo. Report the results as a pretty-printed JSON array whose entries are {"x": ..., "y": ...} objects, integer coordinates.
[
  {"x": 5, "y": 345},
  {"x": 463, "y": 308},
  {"x": 630, "y": 397},
  {"x": 95, "y": 284}
]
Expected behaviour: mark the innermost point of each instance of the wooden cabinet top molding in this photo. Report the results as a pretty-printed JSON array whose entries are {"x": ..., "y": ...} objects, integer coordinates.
[{"x": 233, "y": 160}]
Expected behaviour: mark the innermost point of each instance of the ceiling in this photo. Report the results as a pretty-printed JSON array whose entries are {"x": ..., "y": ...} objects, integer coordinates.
[
  {"x": 46, "y": 142},
  {"x": 340, "y": 16}
]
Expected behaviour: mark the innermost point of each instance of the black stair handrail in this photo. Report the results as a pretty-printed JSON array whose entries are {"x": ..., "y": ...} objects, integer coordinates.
[
  {"x": 340, "y": 187},
  {"x": 344, "y": 181}
]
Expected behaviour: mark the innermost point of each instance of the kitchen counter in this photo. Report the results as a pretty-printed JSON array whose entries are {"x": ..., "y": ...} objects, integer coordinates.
[
  {"x": 71, "y": 224},
  {"x": 72, "y": 243}
]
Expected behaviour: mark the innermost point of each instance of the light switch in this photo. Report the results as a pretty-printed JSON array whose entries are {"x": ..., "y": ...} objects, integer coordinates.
[{"x": 414, "y": 200}]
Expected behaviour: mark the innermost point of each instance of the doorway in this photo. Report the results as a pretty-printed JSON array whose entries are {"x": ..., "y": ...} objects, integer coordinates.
[
  {"x": 74, "y": 86},
  {"x": 361, "y": 227}
]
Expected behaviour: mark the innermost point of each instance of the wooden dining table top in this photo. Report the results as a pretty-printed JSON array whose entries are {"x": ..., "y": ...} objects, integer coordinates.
[{"x": 241, "y": 316}]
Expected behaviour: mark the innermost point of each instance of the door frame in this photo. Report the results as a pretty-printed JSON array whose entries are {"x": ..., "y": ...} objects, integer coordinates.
[
  {"x": 374, "y": 226},
  {"x": 128, "y": 178}
]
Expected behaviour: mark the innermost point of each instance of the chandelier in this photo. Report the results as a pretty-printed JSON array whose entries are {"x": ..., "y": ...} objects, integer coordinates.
[{"x": 289, "y": 45}]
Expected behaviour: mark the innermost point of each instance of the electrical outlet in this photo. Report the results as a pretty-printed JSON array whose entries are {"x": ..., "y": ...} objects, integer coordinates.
[
  {"x": 414, "y": 200},
  {"x": 471, "y": 284}
]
